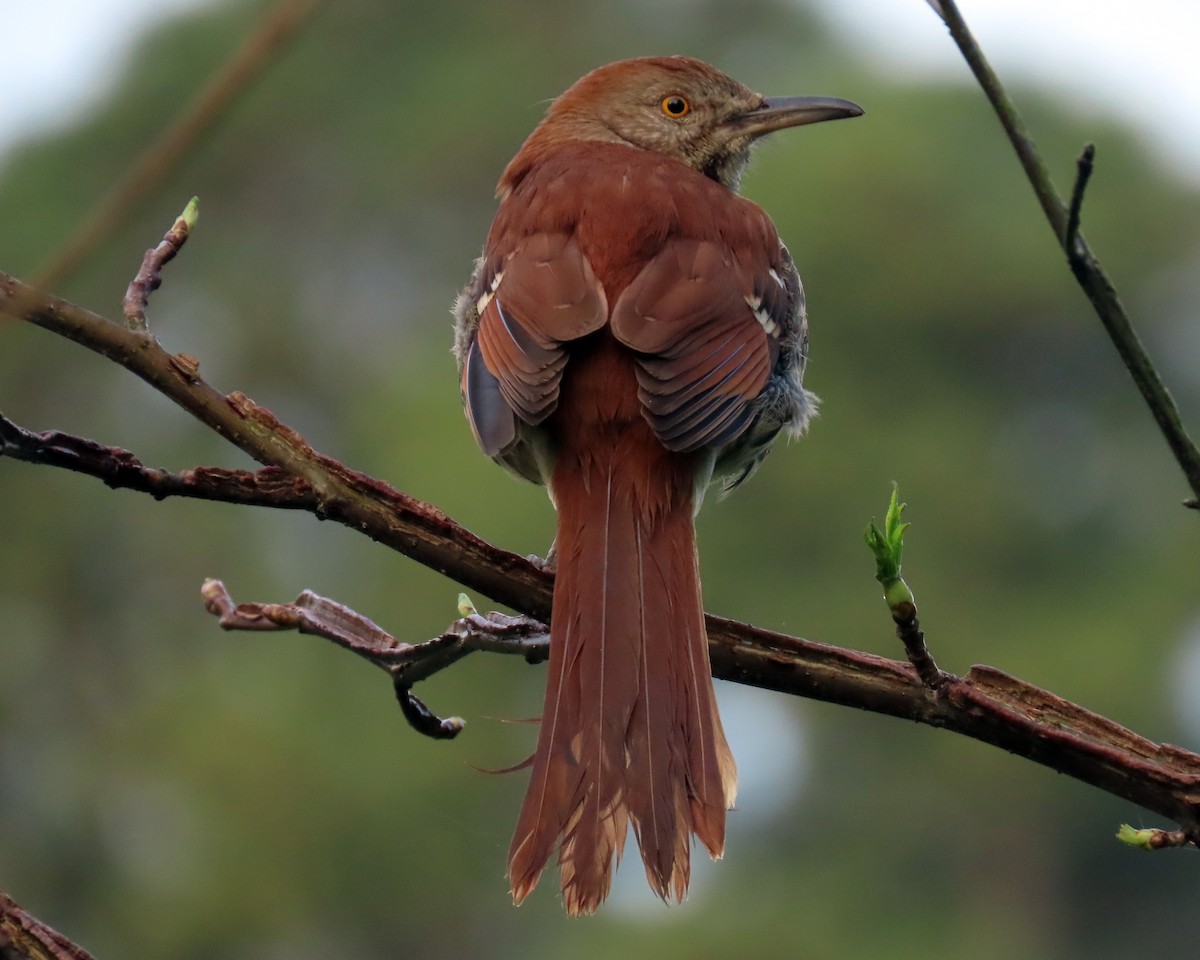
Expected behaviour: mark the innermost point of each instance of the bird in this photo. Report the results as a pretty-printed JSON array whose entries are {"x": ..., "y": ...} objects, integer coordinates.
[{"x": 633, "y": 333}]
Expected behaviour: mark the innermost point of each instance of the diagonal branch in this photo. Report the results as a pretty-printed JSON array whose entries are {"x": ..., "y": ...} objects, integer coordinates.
[
  {"x": 987, "y": 704},
  {"x": 1064, "y": 221},
  {"x": 25, "y": 937},
  {"x": 338, "y": 493}
]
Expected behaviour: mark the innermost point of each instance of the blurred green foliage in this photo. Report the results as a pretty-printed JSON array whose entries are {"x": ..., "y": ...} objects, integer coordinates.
[{"x": 167, "y": 790}]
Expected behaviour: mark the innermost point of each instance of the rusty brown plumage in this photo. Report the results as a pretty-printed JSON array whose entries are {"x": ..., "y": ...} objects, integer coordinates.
[{"x": 633, "y": 331}]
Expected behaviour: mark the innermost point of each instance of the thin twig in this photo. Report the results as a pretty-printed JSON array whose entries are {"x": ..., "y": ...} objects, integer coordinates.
[
  {"x": 149, "y": 276},
  {"x": 1084, "y": 166},
  {"x": 1084, "y": 264},
  {"x": 276, "y": 28},
  {"x": 405, "y": 663},
  {"x": 1018, "y": 134},
  {"x": 319, "y": 616},
  {"x": 908, "y": 630}
]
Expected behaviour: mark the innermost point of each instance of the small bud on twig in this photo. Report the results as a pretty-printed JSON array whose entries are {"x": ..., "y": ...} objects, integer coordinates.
[{"x": 149, "y": 277}]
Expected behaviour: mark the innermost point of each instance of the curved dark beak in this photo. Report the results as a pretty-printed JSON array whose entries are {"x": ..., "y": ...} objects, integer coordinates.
[{"x": 776, "y": 113}]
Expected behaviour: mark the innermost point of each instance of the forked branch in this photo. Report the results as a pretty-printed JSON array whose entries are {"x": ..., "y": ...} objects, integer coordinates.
[
  {"x": 1064, "y": 221},
  {"x": 987, "y": 704}
]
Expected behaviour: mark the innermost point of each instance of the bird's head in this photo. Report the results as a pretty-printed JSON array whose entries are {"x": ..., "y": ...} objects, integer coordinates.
[{"x": 682, "y": 108}]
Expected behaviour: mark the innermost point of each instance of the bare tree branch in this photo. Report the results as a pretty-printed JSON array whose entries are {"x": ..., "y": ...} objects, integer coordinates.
[
  {"x": 25, "y": 937},
  {"x": 120, "y": 469},
  {"x": 987, "y": 704},
  {"x": 404, "y": 662},
  {"x": 338, "y": 493},
  {"x": 1084, "y": 264}
]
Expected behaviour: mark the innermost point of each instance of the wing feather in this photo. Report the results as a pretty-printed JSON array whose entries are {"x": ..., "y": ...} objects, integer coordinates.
[
  {"x": 696, "y": 318},
  {"x": 541, "y": 295}
]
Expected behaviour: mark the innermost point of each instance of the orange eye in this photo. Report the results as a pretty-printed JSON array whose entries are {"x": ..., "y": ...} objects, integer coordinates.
[{"x": 675, "y": 106}]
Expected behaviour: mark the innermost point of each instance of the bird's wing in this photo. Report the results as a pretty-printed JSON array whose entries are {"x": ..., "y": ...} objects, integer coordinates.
[
  {"x": 707, "y": 331},
  {"x": 533, "y": 299}
]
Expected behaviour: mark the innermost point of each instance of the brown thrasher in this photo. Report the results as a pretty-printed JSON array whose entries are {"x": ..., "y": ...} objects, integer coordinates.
[{"x": 633, "y": 331}]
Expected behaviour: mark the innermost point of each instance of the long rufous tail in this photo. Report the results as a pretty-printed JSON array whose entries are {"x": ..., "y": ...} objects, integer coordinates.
[{"x": 630, "y": 732}]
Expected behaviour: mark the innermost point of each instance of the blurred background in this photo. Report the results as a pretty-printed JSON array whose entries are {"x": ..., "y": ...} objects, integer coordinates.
[{"x": 169, "y": 790}]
